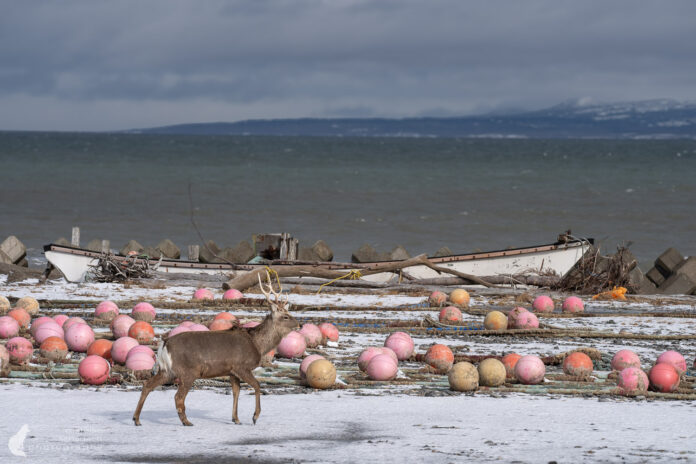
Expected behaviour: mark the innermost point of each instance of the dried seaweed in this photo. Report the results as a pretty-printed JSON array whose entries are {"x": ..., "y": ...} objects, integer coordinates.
[
  {"x": 595, "y": 273},
  {"x": 113, "y": 268}
]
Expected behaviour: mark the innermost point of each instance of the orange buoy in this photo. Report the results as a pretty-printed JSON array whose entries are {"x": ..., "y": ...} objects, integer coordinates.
[
  {"x": 578, "y": 364},
  {"x": 101, "y": 347},
  {"x": 509, "y": 361},
  {"x": 54, "y": 348},
  {"x": 440, "y": 357},
  {"x": 21, "y": 316},
  {"x": 495, "y": 320},
  {"x": 141, "y": 331},
  {"x": 460, "y": 297}
]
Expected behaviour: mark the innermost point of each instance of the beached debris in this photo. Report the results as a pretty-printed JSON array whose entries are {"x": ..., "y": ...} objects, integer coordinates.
[
  {"x": 114, "y": 268},
  {"x": 244, "y": 281},
  {"x": 673, "y": 274}
]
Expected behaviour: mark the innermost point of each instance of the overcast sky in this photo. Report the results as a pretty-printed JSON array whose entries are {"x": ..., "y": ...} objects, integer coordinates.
[{"x": 109, "y": 65}]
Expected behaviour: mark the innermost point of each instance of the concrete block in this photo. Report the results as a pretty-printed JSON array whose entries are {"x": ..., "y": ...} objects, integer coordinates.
[
  {"x": 169, "y": 249},
  {"x": 23, "y": 263},
  {"x": 62, "y": 241},
  {"x": 240, "y": 254},
  {"x": 131, "y": 246},
  {"x": 365, "y": 254},
  {"x": 638, "y": 283},
  {"x": 678, "y": 284},
  {"x": 13, "y": 248},
  {"x": 152, "y": 252},
  {"x": 95, "y": 245},
  {"x": 668, "y": 261},
  {"x": 4, "y": 259},
  {"x": 307, "y": 254},
  {"x": 205, "y": 255},
  {"x": 399, "y": 253},
  {"x": 322, "y": 251},
  {"x": 655, "y": 276},
  {"x": 687, "y": 268},
  {"x": 444, "y": 251}
]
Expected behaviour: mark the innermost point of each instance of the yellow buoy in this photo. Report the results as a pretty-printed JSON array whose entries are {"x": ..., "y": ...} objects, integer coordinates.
[
  {"x": 321, "y": 374},
  {"x": 491, "y": 373},
  {"x": 460, "y": 297},
  {"x": 463, "y": 377},
  {"x": 495, "y": 320},
  {"x": 29, "y": 304}
]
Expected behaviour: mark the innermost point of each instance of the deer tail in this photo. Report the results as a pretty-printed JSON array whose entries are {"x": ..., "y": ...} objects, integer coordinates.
[{"x": 164, "y": 359}]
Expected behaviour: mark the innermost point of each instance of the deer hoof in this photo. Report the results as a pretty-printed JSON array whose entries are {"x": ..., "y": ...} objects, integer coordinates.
[
  {"x": 136, "y": 422},
  {"x": 187, "y": 423}
]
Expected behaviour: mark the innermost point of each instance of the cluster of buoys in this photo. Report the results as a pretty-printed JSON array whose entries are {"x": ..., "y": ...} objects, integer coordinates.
[
  {"x": 207, "y": 294},
  {"x": 544, "y": 304},
  {"x": 664, "y": 376},
  {"x": 458, "y": 297},
  {"x": 57, "y": 336}
]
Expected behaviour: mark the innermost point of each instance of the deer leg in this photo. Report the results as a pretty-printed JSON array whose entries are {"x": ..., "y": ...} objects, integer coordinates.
[
  {"x": 184, "y": 387},
  {"x": 154, "y": 382},
  {"x": 234, "y": 380},
  {"x": 249, "y": 378}
]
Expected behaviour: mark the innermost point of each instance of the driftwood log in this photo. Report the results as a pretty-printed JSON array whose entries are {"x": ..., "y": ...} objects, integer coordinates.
[{"x": 249, "y": 279}]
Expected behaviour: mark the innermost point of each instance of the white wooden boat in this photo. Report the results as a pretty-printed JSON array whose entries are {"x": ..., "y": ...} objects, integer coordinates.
[{"x": 551, "y": 259}]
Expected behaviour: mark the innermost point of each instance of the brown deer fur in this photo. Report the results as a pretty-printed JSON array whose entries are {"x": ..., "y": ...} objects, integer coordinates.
[{"x": 236, "y": 352}]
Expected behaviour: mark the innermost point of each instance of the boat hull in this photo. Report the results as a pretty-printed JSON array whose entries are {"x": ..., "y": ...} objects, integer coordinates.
[{"x": 553, "y": 259}]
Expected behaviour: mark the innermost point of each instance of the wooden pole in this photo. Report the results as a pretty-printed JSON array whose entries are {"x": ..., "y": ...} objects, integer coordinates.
[{"x": 75, "y": 237}]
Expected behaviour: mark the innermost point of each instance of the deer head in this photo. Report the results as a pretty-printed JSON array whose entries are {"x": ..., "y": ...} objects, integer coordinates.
[{"x": 280, "y": 314}]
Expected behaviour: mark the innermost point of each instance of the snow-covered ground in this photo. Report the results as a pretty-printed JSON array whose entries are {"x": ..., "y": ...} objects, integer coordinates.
[
  {"x": 326, "y": 427},
  {"x": 375, "y": 424}
]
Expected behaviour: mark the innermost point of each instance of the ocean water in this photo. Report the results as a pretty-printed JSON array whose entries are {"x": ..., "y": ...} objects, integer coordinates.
[{"x": 421, "y": 193}]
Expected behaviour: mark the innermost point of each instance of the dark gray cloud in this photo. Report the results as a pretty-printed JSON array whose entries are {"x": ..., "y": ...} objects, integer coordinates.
[{"x": 112, "y": 65}]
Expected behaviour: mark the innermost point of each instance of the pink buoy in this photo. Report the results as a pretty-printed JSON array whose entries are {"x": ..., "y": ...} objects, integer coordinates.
[
  {"x": 71, "y": 321},
  {"x": 530, "y": 370},
  {"x": 623, "y": 359},
  {"x": 525, "y": 320},
  {"x": 306, "y": 362},
  {"x": 187, "y": 323},
  {"x": 179, "y": 329},
  {"x": 401, "y": 343},
  {"x": 437, "y": 298},
  {"x": 675, "y": 359},
  {"x": 139, "y": 360},
  {"x": 225, "y": 316},
  {"x": 198, "y": 328},
  {"x": 36, "y": 323},
  {"x": 293, "y": 345},
  {"x": 121, "y": 325},
  {"x": 9, "y": 327},
  {"x": 106, "y": 310},
  {"x": 49, "y": 329},
  {"x": 329, "y": 331},
  {"x": 141, "y": 349},
  {"x": 664, "y": 378},
  {"x": 79, "y": 337},
  {"x": 543, "y": 304},
  {"x": 250, "y": 324},
  {"x": 121, "y": 347},
  {"x": 632, "y": 380},
  {"x": 382, "y": 367},
  {"x": 232, "y": 294},
  {"x": 203, "y": 294},
  {"x": 93, "y": 370},
  {"x": 312, "y": 334},
  {"x": 60, "y": 319},
  {"x": 573, "y": 304},
  {"x": 389, "y": 352},
  {"x": 450, "y": 314},
  {"x": 144, "y": 311},
  {"x": 367, "y": 355},
  {"x": 512, "y": 315},
  {"x": 221, "y": 324},
  {"x": 20, "y": 350}
]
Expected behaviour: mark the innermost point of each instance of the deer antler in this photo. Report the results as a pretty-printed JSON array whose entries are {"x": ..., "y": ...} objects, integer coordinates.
[{"x": 267, "y": 292}]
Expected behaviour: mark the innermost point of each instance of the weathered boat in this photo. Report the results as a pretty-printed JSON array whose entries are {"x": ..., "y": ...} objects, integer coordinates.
[{"x": 78, "y": 264}]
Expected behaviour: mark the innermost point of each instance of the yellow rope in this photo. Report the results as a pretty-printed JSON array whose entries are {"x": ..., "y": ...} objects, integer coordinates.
[
  {"x": 274, "y": 273},
  {"x": 352, "y": 275}
]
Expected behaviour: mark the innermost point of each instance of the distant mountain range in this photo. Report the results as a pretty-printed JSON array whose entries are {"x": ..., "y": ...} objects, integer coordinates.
[{"x": 651, "y": 119}]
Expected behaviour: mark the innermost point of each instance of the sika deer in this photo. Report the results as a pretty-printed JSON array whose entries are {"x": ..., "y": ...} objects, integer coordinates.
[{"x": 236, "y": 352}]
